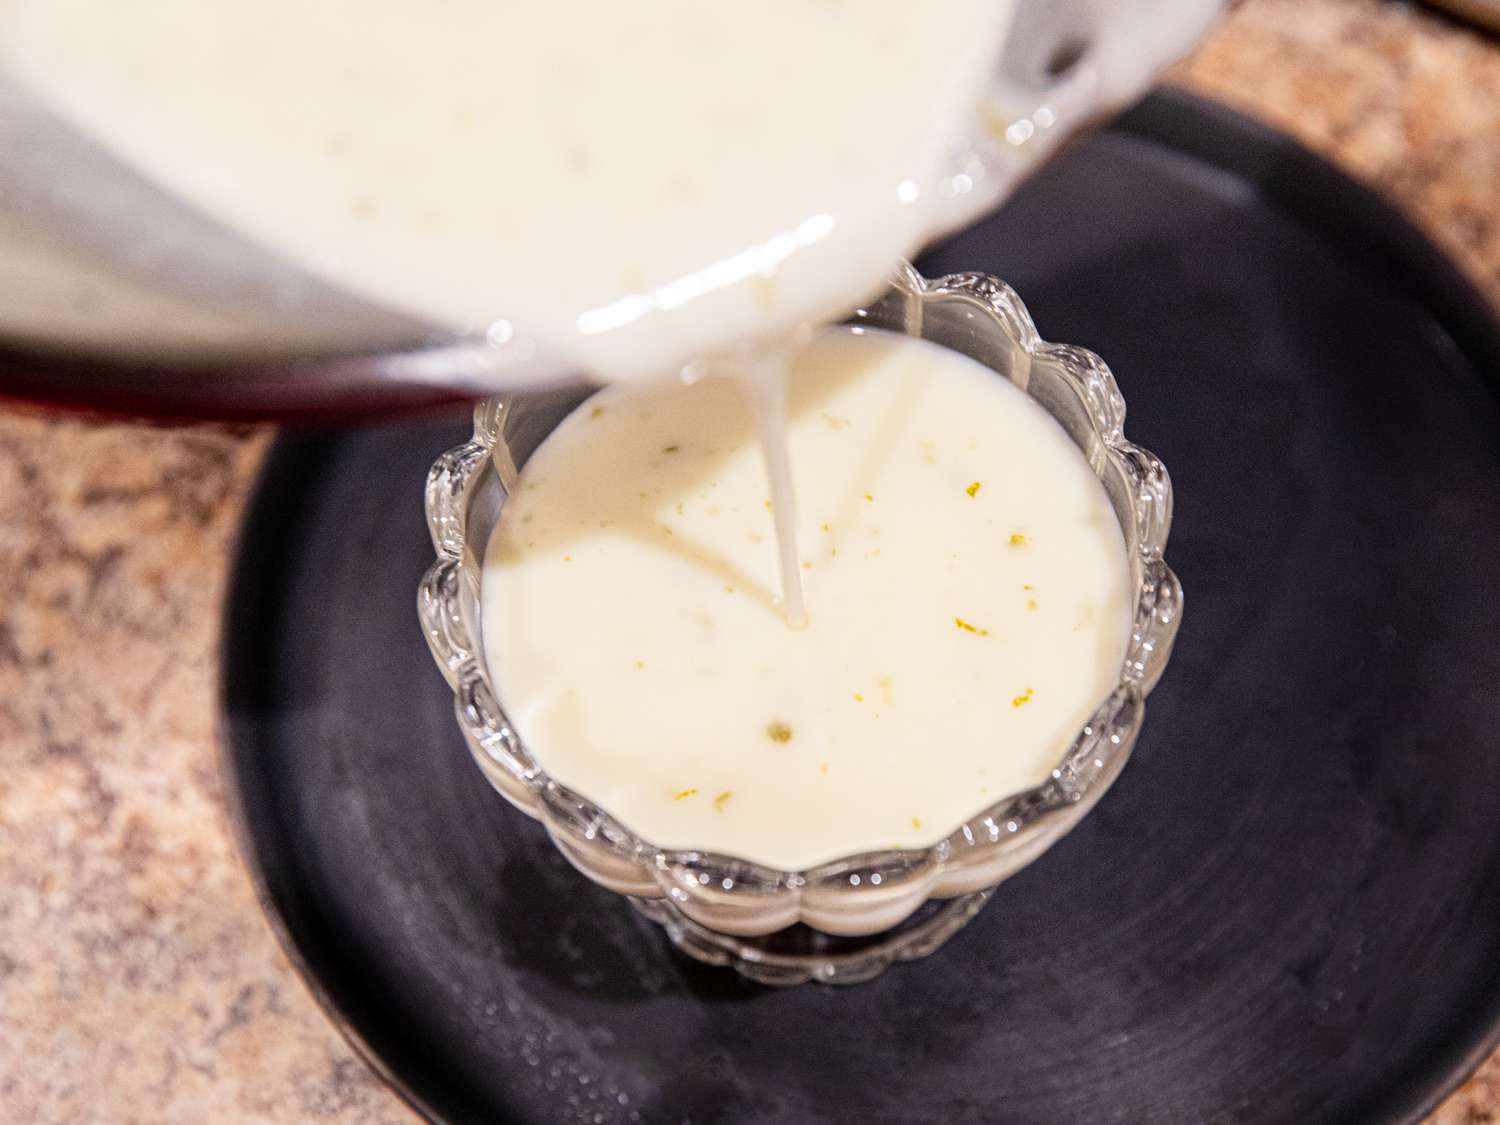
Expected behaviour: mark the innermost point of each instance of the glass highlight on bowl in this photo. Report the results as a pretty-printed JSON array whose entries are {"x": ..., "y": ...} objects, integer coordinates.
[{"x": 847, "y": 920}]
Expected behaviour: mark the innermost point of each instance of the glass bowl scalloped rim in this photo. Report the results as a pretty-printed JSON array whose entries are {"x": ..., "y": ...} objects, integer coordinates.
[{"x": 870, "y": 891}]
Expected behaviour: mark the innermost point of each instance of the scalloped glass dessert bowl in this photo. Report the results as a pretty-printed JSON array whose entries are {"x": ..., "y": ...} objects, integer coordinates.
[{"x": 846, "y": 920}]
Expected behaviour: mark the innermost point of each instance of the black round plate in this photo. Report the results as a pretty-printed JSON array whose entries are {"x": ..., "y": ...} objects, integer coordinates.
[{"x": 1287, "y": 909}]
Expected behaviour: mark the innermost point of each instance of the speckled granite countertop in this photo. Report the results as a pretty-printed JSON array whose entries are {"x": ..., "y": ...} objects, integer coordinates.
[{"x": 138, "y": 980}]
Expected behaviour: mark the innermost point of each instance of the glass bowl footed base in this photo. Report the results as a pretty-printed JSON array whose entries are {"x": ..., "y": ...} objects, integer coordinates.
[{"x": 800, "y": 953}]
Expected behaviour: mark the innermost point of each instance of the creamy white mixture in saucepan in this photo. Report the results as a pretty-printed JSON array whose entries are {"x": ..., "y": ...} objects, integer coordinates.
[{"x": 619, "y": 180}]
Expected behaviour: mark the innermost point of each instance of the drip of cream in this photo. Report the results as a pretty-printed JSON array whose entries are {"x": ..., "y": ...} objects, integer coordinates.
[{"x": 764, "y": 384}]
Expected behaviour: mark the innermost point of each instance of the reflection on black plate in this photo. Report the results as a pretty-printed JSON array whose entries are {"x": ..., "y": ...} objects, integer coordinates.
[{"x": 1287, "y": 910}]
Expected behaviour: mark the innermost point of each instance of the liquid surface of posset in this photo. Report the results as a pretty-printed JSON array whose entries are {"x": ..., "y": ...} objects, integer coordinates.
[
  {"x": 967, "y": 591},
  {"x": 632, "y": 184}
]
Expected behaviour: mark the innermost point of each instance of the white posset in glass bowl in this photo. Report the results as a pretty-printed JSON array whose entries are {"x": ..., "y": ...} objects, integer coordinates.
[{"x": 702, "y": 850}]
